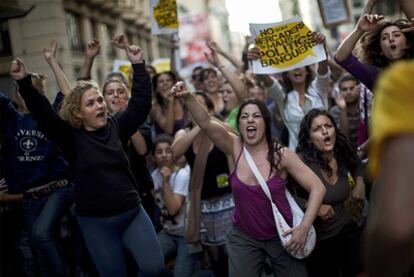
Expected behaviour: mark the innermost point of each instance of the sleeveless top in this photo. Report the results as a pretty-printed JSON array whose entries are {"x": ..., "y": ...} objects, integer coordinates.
[
  {"x": 253, "y": 212},
  {"x": 216, "y": 177}
]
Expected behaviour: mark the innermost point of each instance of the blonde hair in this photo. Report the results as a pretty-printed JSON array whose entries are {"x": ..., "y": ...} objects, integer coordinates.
[
  {"x": 70, "y": 109},
  {"x": 114, "y": 80}
]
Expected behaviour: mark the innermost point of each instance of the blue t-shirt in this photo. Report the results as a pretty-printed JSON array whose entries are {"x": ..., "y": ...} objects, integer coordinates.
[{"x": 30, "y": 159}]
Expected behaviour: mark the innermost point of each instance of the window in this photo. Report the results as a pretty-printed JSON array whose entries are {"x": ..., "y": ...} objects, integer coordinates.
[
  {"x": 149, "y": 49},
  {"x": 358, "y": 3},
  {"x": 74, "y": 30},
  {"x": 110, "y": 32},
  {"x": 94, "y": 29},
  {"x": 5, "y": 46},
  {"x": 130, "y": 37}
]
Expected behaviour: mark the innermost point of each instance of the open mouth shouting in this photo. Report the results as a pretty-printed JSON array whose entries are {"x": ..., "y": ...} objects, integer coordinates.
[
  {"x": 251, "y": 132},
  {"x": 328, "y": 141},
  {"x": 101, "y": 115}
]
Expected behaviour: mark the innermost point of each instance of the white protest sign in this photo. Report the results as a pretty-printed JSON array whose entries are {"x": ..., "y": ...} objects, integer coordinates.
[{"x": 285, "y": 46}]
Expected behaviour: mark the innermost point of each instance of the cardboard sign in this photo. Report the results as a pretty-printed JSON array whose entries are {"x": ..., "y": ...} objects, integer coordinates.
[
  {"x": 164, "y": 19},
  {"x": 285, "y": 46}
]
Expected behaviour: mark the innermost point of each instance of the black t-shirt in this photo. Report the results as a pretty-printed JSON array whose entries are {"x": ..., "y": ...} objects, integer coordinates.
[
  {"x": 216, "y": 177},
  {"x": 105, "y": 185}
]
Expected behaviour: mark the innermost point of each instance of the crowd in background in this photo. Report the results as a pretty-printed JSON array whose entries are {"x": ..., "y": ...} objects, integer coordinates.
[{"x": 147, "y": 174}]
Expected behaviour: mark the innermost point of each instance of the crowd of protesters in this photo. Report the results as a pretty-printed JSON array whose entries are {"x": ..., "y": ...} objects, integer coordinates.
[{"x": 153, "y": 176}]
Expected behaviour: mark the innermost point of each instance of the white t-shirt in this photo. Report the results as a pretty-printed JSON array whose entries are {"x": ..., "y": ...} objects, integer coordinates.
[
  {"x": 292, "y": 112},
  {"x": 179, "y": 181}
]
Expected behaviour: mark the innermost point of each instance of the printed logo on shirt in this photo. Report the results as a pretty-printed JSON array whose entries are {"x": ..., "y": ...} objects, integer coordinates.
[
  {"x": 28, "y": 144},
  {"x": 222, "y": 180},
  {"x": 28, "y": 141}
]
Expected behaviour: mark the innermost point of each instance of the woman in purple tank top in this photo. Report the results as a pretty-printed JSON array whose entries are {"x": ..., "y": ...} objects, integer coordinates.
[{"x": 254, "y": 236}]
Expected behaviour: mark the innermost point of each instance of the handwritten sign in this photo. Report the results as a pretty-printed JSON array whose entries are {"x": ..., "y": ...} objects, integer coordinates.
[
  {"x": 164, "y": 19},
  {"x": 285, "y": 46}
]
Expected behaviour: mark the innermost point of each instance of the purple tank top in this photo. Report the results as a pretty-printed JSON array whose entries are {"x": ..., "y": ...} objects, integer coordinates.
[{"x": 253, "y": 212}]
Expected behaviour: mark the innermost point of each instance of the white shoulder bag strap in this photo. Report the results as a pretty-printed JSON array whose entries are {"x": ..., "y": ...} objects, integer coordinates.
[{"x": 280, "y": 221}]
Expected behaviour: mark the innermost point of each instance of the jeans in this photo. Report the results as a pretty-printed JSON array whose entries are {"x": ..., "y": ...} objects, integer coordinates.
[
  {"x": 106, "y": 238},
  {"x": 42, "y": 219},
  {"x": 176, "y": 246}
]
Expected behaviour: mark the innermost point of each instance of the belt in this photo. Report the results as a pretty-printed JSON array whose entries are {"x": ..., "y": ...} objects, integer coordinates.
[{"x": 47, "y": 189}]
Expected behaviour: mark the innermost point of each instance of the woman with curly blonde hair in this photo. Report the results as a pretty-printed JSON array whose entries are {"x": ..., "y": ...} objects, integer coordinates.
[
  {"x": 107, "y": 204},
  {"x": 71, "y": 103}
]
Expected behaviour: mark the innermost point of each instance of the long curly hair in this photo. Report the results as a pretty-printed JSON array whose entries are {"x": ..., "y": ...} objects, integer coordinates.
[
  {"x": 273, "y": 145},
  {"x": 72, "y": 102},
  {"x": 344, "y": 151},
  {"x": 370, "y": 49}
]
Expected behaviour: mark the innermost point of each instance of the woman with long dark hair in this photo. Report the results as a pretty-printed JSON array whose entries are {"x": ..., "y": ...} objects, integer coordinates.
[
  {"x": 381, "y": 43},
  {"x": 213, "y": 205},
  {"x": 168, "y": 113},
  {"x": 254, "y": 236},
  {"x": 327, "y": 151}
]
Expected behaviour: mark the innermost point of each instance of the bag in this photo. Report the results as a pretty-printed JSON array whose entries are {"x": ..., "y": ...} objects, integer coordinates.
[
  {"x": 281, "y": 224},
  {"x": 355, "y": 207}
]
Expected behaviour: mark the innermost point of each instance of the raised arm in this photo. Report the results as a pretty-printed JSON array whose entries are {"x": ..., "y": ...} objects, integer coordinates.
[
  {"x": 223, "y": 139},
  {"x": 322, "y": 65},
  {"x": 142, "y": 140},
  {"x": 239, "y": 87},
  {"x": 174, "y": 47},
  {"x": 165, "y": 121},
  {"x": 274, "y": 87},
  {"x": 139, "y": 104},
  {"x": 306, "y": 178},
  {"x": 50, "y": 56},
  {"x": 408, "y": 7},
  {"x": 366, "y": 23},
  {"x": 49, "y": 122},
  {"x": 341, "y": 118},
  {"x": 183, "y": 140},
  {"x": 92, "y": 51},
  {"x": 238, "y": 64}
]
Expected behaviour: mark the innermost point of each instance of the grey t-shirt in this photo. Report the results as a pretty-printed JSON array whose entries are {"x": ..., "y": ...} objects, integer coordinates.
[{"x": 336, "y": 195}]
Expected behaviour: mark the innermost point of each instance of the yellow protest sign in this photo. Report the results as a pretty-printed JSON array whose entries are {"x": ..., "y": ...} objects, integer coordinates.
[
  {"x": 285, "y": 46},
  {"x": 164, "y": 16},
  {"x": 161, "y": 65}
]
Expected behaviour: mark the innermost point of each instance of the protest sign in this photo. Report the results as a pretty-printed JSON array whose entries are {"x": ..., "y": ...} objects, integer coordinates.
[
  {"x": 162, "y": 64},
  {"x": 164, "y": 19},
  {"x": 125, "y": 68},
  {"x": 194, "y": 32},
  {"x": 285, "y": 46}
]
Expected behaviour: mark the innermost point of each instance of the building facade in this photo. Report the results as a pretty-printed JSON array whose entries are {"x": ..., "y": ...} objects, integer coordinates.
[{"x": 73, "y": 23}]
